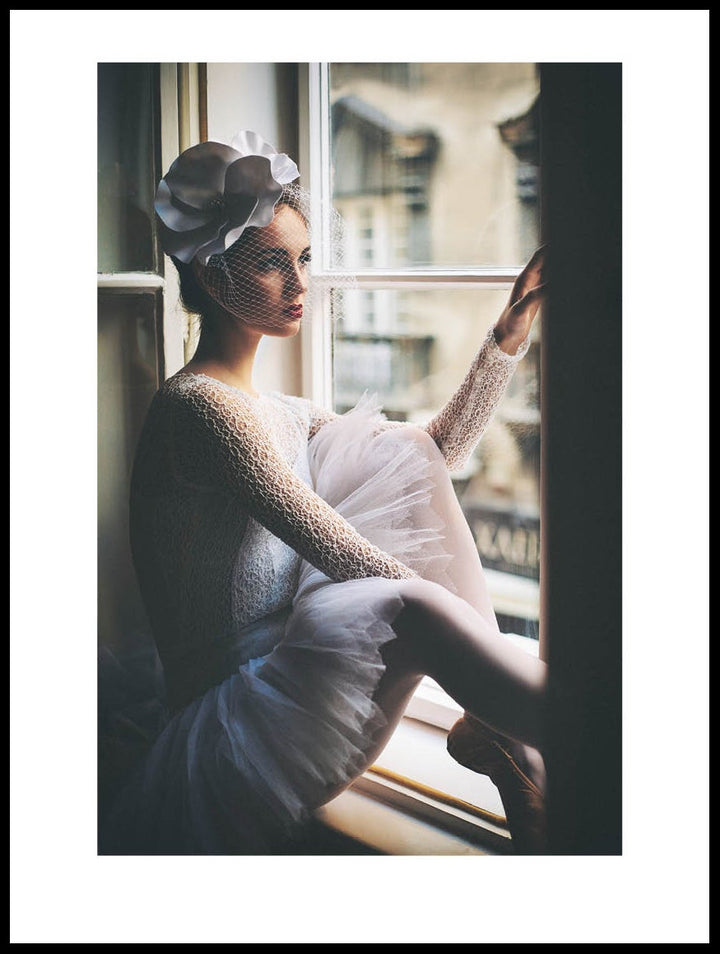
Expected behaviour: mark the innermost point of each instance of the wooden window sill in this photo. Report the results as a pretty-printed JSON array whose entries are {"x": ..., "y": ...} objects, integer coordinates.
[{"x": 417, "y": 801}]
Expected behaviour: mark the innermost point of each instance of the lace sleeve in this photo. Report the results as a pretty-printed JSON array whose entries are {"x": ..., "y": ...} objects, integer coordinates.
[
  {"x": 460, "y": 424},
  {"x": 318, "y": 417},
  {"x": 250, "y": 466}
]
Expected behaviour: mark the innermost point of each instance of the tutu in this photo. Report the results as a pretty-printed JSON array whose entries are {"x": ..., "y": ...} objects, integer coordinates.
[{"x": 242, "y": 767}]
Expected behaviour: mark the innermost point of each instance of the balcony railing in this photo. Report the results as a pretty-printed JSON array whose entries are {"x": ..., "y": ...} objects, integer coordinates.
[{"x": 507, "y": 540}]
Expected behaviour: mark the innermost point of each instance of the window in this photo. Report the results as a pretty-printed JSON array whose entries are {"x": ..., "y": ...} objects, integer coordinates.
[
  {"x": 434, "y": 169},
  {"x": 129, "y": 323},
  {"x": 435, "y": 172},
  {"x": 142, "y": 331},
  {"x": 447, "y": 174}
]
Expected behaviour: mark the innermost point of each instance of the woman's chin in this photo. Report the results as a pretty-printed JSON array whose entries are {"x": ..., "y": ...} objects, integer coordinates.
[
  {"x": 286, "y": 328},
  {"x": 289, "y": 329}
]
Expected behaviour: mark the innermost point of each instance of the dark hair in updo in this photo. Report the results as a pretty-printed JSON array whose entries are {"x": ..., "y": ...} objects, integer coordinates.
[{"x": 195, "y": 300}]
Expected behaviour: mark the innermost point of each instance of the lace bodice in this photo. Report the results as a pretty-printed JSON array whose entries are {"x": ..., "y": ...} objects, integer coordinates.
[{"x": 222, "y": 510}]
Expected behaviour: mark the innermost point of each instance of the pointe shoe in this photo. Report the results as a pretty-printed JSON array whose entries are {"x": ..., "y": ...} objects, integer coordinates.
[{"x": 474, "y": 745}]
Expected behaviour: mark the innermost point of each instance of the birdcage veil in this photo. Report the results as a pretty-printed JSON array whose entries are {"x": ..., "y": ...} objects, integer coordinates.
[{"x": 257, "y": 244}]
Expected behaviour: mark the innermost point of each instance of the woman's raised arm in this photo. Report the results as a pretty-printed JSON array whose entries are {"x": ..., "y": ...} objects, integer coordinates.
[{"x": 460, "y": 424}]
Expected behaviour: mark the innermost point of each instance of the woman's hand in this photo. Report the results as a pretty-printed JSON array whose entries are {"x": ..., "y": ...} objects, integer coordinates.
[{"x": 528, "y": 293}]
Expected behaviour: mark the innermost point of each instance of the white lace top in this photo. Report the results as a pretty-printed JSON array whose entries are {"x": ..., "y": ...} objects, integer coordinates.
[{"x": 222, "y": 512}]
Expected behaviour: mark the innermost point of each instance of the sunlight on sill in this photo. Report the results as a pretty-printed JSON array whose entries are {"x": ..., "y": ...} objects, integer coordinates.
[{"x": 391, "y": 830}]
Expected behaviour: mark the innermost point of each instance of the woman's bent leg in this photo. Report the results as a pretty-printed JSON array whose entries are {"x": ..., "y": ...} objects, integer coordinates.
[
  {"x": 500, "y": 686},
  {"x": 448, "y": 630},
  {"x": 441, "y": 636}
]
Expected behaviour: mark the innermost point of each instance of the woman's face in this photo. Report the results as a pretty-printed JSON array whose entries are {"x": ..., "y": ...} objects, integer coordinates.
[{"x": 264, "y": 277}]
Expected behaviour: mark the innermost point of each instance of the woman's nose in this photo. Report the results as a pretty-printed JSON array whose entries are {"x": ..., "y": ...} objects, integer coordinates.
[{"x": 296, "y": 280}]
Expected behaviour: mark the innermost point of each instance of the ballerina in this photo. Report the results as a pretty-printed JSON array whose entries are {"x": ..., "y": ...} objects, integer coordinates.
[{"x": 303, "y": 570}]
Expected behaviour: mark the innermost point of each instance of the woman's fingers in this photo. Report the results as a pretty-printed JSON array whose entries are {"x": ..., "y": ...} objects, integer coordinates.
[
  {"x": 531, "y": 275},
  {"x": 528, "y": 293}
]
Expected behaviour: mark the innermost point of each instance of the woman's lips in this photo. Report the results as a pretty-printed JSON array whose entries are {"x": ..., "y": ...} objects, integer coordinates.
[{"x": 295, "y": 311}]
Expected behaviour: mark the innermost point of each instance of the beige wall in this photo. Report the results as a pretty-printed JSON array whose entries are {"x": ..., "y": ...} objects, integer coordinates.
[{"x": 259, "y": 96}]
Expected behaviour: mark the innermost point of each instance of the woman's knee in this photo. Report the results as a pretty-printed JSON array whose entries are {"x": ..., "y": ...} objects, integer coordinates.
[
  {"x": 435, "y": 623},
  {"x": 429, "y": 610},
  {"x": 410, "y": 433},
  {"x": 420, "y": 437}
]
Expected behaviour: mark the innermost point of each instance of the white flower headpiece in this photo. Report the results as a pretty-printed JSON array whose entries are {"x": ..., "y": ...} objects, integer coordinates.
[{"x": 212, "y": 192}]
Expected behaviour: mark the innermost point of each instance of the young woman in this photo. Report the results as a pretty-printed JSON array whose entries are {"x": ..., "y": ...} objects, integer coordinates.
[{"x": 303, "y": 570}]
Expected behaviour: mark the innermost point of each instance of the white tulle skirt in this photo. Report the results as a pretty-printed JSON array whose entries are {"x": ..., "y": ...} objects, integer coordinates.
[{"x": 241, "y": 768}]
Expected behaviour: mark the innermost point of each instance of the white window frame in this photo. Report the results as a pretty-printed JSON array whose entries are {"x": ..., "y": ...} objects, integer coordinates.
[{"x": 178, "y": 129}]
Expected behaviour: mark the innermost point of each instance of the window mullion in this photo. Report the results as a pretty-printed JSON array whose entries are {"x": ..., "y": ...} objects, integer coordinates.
[
  {"x": 438, "y": 279},
  {"x": 316, "y": 339},
  {"x": 133, "y": 281}
]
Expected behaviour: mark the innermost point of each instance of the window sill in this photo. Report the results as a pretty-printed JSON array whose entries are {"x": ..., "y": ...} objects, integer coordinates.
[{"x": 399, "y": 814}]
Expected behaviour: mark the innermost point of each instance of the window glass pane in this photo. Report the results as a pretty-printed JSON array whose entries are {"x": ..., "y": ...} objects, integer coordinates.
[
  {"x": 436, "y": 164},
  {"x": 127, "y": 380},
  {"x": 413, "y": 349},
  {"x": 127, "y": 147}
]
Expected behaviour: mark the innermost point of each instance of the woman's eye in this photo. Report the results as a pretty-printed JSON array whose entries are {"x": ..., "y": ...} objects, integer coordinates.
[
  {"x": 280, "y": 263},
  {"x": 268, "y": 264}
]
